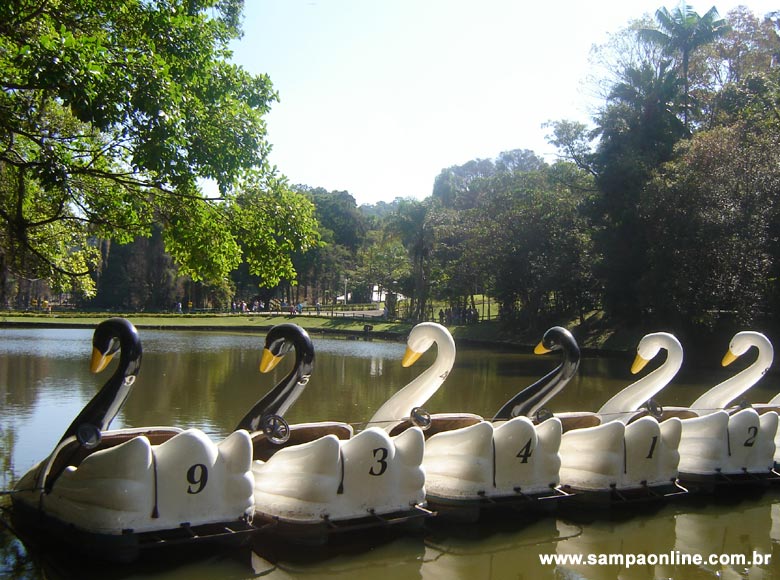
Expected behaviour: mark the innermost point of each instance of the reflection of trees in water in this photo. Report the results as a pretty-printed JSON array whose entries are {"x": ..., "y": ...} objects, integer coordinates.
[
  {"x": 15, "y": 563},
  {"x": 190, "y": 389},
  {"x": 23, "y": 383},
  {"x": 21, "y": 378},
  {"x": 7, "y": 444}
]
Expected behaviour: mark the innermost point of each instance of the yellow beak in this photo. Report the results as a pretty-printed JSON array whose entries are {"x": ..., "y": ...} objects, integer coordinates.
[
  {"x": 639, "y": 364},
  {"x": 99, "y": 361},
  {"x": 541, "y": 349},
  {"x": 410, "y": 357},
  {"x": 269, "y": 361},
  {"x": 728, "y": 358}
]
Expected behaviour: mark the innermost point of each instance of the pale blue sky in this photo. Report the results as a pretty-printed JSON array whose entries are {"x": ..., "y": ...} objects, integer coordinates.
[{"x": 378, "y": 96}]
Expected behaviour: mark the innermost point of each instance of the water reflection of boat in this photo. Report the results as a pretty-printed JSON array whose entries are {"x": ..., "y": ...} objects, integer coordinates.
[
  {"x": 670, "y": 543},
  {"x": 607, "y": 542},
  {"x": 115, "y": 493},
  {"x": 373, "y": 555},
  {"x": 742, "y": 530},
  {"x": 490, "y": 549}
]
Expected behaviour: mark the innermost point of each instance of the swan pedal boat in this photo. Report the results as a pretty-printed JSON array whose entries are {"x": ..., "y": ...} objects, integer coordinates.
[
  {"x": 313, "y": 480},
  {"x": 624, "y": 455},
  {"x": 116, "y": 493},
  {"x": 724, "y": 445},
  {"x": 773, "y": 405},
  {"x": 472, "y": 465}
]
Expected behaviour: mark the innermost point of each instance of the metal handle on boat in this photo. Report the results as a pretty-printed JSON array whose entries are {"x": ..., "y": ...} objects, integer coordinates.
[{"x": 276, "y": 429}]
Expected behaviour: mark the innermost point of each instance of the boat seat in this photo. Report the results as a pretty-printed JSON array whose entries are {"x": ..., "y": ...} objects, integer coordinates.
[
  {"x": 440, "y": 422},
  {"x": 263, "y": 448},
  {"x": 679, "y": 413},
  {"x": 665, "y": 414},
  {"x": 73, "y": 453},
  {"x": 571, "y": 421}
]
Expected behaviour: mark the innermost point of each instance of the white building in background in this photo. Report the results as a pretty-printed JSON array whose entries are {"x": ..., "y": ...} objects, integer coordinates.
[{"x": 377, "y": 295}]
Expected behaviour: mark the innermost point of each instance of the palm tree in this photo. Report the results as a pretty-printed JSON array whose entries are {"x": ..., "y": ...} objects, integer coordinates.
[
  {"x": 651, "y": 95},
  {"x": 680, "y": 33},
  {"x": 413, "y": 224}
]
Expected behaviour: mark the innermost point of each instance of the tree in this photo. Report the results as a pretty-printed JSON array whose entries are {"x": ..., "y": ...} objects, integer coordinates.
[
  {"x": 111, "y": 113},
  {"x": 156, "y": 284},
  {"x": 412, "y": 223},
  {"x": 709, "y": 216},
  {"x": 751, "y": 45},
  {"x": 271, "y": 223},
  {"x": 338, "y": 212},
  {"x": 638, "y": 127},
  {"x": 384, "y": 262},
  {"x": 452, "y": 187},
  {"x": 680, "y": 33},
  {"x": 536, "y": 242},
  {"x": 572, "y": 140}
]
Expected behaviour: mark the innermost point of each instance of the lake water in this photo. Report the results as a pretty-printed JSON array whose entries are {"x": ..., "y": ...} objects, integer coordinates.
[{"x": 210, "y": 379}]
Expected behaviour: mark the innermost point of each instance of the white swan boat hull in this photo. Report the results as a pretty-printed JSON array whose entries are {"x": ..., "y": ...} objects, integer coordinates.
[
  {"x": 132, "y": 494},
  {"x": 728, "y": 448},
  {"x": 638, "y": 460},
  {"x": 331, "y": 484},
  {"x": 486, "y": 464}
]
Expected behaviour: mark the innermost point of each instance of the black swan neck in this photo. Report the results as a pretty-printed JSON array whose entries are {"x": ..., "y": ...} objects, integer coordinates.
[
  {"x": 279, "y": 399},
  {"x": 106, "y": 404},
  {"x": 534, "y": 397}
]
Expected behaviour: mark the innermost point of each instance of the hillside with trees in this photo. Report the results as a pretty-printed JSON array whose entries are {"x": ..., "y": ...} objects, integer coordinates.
[{"x": 662, "y": 213}]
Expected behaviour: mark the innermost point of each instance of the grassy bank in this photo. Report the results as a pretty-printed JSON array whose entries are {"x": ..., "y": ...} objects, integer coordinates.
[
  {"x": 489, "y": 332},
  {"x": 206, "y": 321}
]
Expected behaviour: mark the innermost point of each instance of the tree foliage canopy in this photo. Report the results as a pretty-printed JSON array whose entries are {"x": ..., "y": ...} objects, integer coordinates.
[{"x": 111, "y": 114}]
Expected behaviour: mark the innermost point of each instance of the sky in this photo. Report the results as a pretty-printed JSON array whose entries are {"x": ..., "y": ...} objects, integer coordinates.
[{"x": 377, "y": 97}]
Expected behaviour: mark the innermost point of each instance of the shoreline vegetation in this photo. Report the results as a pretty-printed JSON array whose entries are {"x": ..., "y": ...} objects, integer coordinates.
[{"x": 356, "y": 325}]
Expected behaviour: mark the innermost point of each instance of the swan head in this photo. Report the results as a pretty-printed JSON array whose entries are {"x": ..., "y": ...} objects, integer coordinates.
[
  {"x": 650, "y": 346},
  {"x": 422, "y": 337},
  {"x": 110, "y": 337},
  {"x": 741, "y": 343},
  {"x": 280, "y": 340},
  {"x": 556, "y": 338}
]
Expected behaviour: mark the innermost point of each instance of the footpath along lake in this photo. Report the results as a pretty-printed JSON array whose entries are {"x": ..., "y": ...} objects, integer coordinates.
[{"x": 210, "y": 379}]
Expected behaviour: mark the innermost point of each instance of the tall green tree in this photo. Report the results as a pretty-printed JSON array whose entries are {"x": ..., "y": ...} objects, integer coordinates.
[
  {"x": 156, "y": 284},
  {"x": 111, "y": 113},
  {"x": 709, "y": 218},
  {"x": 338, "y": 212},
  {"x": 382, "y": 262},
  {"x": 638, "y": 128},
  {"x": 272, "y": 223},
  {"x": 452, "y": 187},
  {"x": 680, "y": 33},
  {"x": 413, "y": 224},
  {"x": 536, "y": 244}
]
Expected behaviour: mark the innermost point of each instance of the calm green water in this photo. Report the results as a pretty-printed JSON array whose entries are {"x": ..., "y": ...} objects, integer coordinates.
[{"x": 209, "y": 380}]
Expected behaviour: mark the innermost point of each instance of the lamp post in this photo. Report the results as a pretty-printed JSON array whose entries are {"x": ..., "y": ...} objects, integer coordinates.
[{"x": 345, "y": 290}]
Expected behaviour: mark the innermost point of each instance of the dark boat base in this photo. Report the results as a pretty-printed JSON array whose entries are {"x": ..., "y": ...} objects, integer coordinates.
[
  {"x": 719, "y": 482},
  {"x": 625, "y": 499},
  {"x": 472, "y": 510},
  {"x": 35, "y": 527},
  {"x": 319, "y": 533}
]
